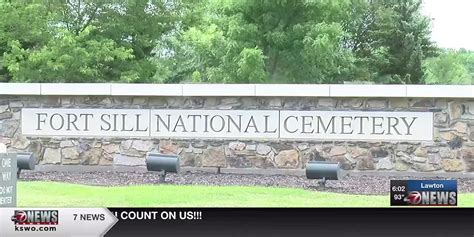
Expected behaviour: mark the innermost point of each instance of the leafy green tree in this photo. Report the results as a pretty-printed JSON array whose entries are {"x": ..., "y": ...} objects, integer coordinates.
[
  {"x": 231, "y": 41},
  {"x": 408, "y": 41},
  {"x": 111, "y": 41},
  {"x": 26, "y": 24},
  {"x": 139, "y": 26},
  {"x": 451, "y": 67},
  {"x": 390, "y": 39},
  {"x": 321, "y": 41},
  {"x": 263, "y": 41},
  {"x": 67, "y": 58}
]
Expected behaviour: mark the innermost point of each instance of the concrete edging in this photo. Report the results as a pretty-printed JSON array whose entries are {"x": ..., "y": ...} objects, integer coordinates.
[{"x": 258, "y": 90}]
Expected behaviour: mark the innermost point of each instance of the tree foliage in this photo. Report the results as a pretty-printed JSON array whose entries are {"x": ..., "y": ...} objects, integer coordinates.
[
  {"x": 451, "y": 67},
  {"x": 83, "y": 41},
  {"x": 25, "y": 24},
  {"x": 264, "y": 41},
  {"x": 390, "y": 39},
  {"x": 222, "y": 41},
  {"x": 67, "y": 58}
]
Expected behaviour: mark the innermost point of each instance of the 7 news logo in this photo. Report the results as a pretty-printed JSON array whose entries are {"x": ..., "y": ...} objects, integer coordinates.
[
  {"x": 423, "y": 193},
  {"x": 445, "y": 198},
  {"x": 35, "y": 220}
]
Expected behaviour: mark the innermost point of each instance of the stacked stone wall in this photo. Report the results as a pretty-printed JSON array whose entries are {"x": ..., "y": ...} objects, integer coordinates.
[{"x": 452, "y": 149}]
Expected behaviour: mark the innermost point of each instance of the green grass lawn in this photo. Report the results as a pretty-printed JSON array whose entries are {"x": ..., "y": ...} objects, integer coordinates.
[{"x": 51, "y": 194}]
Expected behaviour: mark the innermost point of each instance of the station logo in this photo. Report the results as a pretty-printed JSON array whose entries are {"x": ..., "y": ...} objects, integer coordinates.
[
  {"x": 423, "y": 193},
  {"x": 35, "y": 220},
  {"x": 413, "y": 198}
]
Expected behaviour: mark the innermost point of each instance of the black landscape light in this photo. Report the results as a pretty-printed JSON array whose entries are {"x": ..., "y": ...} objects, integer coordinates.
[
  {"x": 164, "y": 163},
  {"x": 25, "y": 161},
  {"x": 323, "y": 170}
]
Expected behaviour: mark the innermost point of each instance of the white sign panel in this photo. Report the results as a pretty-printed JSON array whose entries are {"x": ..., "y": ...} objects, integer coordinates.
[{"x": 237, "y": 124}]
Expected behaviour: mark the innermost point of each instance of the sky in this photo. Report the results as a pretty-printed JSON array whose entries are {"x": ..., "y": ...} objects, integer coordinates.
[{"x": 453, "y": 22}]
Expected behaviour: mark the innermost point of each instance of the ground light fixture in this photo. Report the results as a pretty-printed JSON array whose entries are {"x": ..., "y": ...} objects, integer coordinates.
[
  {"x": 25, "y": 161},
  {"x": 164, "y": 163},
  {"x": 323, "y": 170}
]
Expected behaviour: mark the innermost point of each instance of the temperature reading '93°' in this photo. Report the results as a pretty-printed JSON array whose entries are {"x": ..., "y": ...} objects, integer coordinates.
[{"x": 398, "y": 196}]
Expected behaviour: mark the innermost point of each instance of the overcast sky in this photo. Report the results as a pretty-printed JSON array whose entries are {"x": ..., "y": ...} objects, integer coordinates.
[{"x": 453, "y": 22}]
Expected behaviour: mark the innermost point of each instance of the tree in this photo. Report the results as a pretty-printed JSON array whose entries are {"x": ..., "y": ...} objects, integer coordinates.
[
  {"x": 230, "y": 41},
  {"x": 263, "y": 41},
  {"x": 139, "y": 26},
  {"x": 390, "y": 39},
  {"x": 451, "y": 67},
  {"x": 26, "y": 24},
  {"x": 109, "y": 41},
  {"x": 409, "y": 40},
  {"x": 67, "y": 58}
]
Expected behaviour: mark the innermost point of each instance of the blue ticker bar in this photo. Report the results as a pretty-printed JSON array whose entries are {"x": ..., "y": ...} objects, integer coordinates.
[{"x": 432, "y": 185}]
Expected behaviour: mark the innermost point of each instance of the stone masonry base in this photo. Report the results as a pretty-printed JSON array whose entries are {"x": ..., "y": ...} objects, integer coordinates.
[{"x": 249, "y": 171}]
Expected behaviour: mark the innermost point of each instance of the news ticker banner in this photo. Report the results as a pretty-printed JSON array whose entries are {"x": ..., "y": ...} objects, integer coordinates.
[
  {"x": 235, "y": 221},
  {"x": 423, "y": 193}
]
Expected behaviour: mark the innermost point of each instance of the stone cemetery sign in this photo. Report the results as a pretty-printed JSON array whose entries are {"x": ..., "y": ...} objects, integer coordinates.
[
  {"x": 236, "y": 124},
  {"x": 8, "y": 171}
]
